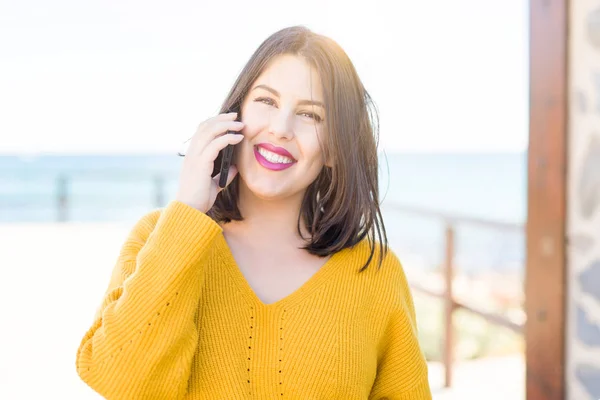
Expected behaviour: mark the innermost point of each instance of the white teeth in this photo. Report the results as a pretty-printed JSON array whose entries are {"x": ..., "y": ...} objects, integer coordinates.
[{"x": 273, "y": 157}]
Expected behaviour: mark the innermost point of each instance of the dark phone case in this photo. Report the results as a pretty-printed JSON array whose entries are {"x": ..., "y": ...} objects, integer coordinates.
[{"x": 226, "y": 157}]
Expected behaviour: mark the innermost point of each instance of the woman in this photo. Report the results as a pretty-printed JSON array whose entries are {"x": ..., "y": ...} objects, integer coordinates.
[{"x": 280, "y": 285}]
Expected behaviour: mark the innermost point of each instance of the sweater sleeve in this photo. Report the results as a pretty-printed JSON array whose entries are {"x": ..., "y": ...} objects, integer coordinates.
[
  {"x": 144, "y": 337},
  {"x": 402, "y": 372}
]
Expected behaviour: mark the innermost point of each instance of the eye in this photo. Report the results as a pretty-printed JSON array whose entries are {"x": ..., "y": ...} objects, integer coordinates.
[
  {"x": 314, "y": 116},
  {"x": 265, "y": 100}
]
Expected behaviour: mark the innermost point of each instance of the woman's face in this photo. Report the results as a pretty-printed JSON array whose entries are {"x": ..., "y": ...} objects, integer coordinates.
[{"x": 284, "y": 115}]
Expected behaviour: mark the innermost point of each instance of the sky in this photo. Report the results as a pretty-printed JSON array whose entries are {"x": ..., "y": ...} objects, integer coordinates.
[{"x": 139, "y": 76}]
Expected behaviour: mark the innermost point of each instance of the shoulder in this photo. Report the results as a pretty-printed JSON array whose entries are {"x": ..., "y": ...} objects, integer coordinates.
[
  {"x": 175, "y": 209},
  {"x": 388, "y": 276},
  {"x": 387, "y": 287},
  {"x": 138, "y": 235},
  {"x": 145, "y": 225},
  {"x": 175, "y": 217},
  {"x": 369, "y": 254}
]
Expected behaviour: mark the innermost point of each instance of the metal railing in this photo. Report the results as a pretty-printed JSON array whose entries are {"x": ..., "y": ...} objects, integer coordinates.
[
  {"x": 451, "y": 305},
  {"x": 63, "y": 203}
]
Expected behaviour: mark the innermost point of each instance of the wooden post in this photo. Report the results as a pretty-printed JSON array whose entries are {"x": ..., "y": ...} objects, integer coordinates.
[
  {"x": 62, "y": 193},
  {"x": 545, "y": 281},
  {"x": 448, "y": 306}
]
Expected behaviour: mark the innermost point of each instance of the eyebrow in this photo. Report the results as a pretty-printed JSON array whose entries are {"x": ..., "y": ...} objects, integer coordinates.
[{"x": 301, "y": 102}]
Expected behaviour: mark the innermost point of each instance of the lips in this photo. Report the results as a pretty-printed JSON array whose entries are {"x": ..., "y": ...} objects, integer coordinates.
[
  {"x": 277, "y": 150},
  {"x": 271, "y": 164}
]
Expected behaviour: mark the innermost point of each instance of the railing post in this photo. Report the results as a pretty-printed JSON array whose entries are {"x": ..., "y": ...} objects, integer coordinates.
[
  {"x": 159, "y": 188},
  {"x": 448, "y": 306},
  {"x": 62, "y": 193}
]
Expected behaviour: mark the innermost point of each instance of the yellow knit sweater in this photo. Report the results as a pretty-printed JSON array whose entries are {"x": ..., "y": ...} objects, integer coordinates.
[{"x": 179, "y": 321}]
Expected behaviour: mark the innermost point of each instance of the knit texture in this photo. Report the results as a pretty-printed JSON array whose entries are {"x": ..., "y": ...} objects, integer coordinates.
[{"x": 180, "y": 321}]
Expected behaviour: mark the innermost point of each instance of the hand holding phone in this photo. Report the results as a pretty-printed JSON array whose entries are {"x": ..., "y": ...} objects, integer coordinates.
[
  {"x": 226, "y": 158},
  {"x": 198, "y": 186}
]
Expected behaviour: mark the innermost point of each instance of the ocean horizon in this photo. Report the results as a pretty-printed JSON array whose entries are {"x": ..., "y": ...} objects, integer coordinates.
[
  {"x": 484, "y": 185},
  {"x": 122, "y": 187}
]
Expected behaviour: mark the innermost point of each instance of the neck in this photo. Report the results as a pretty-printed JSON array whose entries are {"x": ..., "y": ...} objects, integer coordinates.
[{"x": 272, "y": 220}]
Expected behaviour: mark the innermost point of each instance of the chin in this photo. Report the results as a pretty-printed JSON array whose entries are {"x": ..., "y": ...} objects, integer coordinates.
[
  {"x": 274, "y": 186},
  {"x": 266, "y": 189}
]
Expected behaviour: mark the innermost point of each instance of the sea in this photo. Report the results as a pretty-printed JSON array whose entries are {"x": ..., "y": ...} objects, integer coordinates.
[{"x": 121, "y": 188}]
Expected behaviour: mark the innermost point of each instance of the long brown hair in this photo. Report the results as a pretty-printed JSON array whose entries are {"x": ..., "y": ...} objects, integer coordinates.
[{"x": 341, "y": 207}]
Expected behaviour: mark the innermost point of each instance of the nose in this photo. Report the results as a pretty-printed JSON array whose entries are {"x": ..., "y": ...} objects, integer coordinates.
[{"x": 281, "y": 125}]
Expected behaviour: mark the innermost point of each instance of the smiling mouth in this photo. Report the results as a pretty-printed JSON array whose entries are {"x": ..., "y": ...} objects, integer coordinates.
[
  {"x": 271, "y": 160},
  {"x": 274, "y": 157}
]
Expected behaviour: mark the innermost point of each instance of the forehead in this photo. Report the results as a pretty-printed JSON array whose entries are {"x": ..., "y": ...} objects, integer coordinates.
[{"x": 292, "y": 76}]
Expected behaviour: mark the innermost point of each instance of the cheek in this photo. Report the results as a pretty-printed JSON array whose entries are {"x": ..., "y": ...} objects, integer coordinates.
[
  {"x": 313, "y": 148},
  {"x": 255, "y": 117}
]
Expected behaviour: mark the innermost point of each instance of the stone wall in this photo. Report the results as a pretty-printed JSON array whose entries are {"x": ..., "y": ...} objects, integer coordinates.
[{"x": 583, "y": 203}]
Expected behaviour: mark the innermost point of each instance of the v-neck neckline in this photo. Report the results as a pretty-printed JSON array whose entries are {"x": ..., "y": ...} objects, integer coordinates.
[{"x": 308, "y": 287}]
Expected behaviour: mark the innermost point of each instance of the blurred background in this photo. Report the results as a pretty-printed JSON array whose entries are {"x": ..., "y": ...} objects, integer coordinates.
[{"x": 96, "y": 98}]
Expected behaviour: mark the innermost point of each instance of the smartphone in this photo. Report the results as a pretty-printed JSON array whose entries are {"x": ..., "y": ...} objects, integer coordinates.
[{"x": 224, "y": 159}]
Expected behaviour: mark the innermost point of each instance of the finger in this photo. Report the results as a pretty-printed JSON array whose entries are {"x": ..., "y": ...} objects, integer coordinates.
[
  {"x": 212, "y": 130},
  {"x": 226, "y": 116},
  {"x": 218, "y": 128},
  {"x": 221, "y": 117},
  {"x": 232, "y": 173},
  {"x": 219, "y": 143}
]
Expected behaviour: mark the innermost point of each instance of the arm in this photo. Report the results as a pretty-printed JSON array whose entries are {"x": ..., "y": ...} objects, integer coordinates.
[
  {"x": 402, "y": 372},
  {"x": 144, "y": 336}
]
